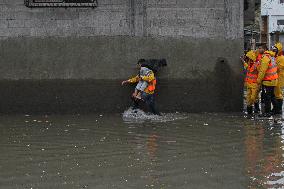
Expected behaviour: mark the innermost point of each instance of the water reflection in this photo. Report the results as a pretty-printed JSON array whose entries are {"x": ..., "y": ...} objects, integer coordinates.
[
  {"x": 275, "y": 162},
  {"x": 112, "y": 151},
  {"x": 264, "y": 154}
]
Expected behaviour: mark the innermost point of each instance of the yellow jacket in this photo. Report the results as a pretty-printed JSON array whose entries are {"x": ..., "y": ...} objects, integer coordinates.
[
  {"x": 250, "y": 85},
  {"x": 280, "y": 66},
  {"x": 150, "y": 77},
  {"x": 264, "y": 62}
]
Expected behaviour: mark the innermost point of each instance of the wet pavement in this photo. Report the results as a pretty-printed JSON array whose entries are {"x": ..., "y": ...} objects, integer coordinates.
[{"x": 125, "y": 151}]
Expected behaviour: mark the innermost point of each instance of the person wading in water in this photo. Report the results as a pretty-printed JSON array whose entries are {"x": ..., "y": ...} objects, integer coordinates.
[{"x": 147, "y": 95}]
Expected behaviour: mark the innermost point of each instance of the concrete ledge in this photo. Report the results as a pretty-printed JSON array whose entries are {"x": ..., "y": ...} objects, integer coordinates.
[{"x": 87, "y": 96}]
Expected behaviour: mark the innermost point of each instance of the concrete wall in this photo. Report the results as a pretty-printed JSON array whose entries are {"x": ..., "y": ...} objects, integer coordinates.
[{"x": 72, "y": 60}]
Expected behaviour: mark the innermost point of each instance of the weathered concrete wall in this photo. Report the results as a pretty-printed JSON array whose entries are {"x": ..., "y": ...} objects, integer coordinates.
[{"x": 72, "y": 60}]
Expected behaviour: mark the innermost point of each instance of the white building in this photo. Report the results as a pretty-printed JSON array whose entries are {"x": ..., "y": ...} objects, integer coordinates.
[{"x": 272, "y": 12}]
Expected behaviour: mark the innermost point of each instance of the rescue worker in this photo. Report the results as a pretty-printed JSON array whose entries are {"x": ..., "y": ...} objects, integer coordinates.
[
  {"x": 277, "y": 49},
  {"x": 251, "y": 67},
  {"x": 148, "y": 94},
  {"x": 267, "y": 77}
]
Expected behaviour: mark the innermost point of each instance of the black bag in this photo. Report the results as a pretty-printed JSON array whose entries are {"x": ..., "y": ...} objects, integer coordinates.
[{"x": 153, "y": 64}]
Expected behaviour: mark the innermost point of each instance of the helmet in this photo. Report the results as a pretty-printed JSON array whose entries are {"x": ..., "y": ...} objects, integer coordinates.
[
  {"x": 278, "y": 46},
  {"x": 251, "y": 55}
]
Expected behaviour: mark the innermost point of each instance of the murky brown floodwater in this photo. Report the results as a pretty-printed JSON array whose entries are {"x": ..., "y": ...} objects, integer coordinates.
[{"x": 210, "y": 151}]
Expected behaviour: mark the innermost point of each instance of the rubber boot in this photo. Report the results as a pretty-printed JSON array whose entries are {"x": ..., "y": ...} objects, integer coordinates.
[
  {"x": 274, "y": 106},
  {"x": 256, "y": 108},
  {"x": 249, "y": 110},
  {"x": 280, "y": 103},
  {"x": 278, "y": 108},
  {"x": 267, "y": 107},
  {"x": 262, "y": 108}
]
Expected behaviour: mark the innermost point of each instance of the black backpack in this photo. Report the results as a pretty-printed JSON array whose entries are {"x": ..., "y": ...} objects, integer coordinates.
[{"x": 153, "y": 64}]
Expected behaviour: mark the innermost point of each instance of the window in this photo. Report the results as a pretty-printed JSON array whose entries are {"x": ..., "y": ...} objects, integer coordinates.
[
  {"x": 280, "y": 22},
  {"x": 61, "y": 3}
]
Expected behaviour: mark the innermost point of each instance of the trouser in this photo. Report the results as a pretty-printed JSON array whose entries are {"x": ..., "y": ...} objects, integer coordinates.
[
  {"x": 149, "y": 100},
  {"x": 252, "y": 95},
  {"x": 278, "y": 101},
  {"x": 252, "y": 98},
  {"x": 268, "y": 97}
]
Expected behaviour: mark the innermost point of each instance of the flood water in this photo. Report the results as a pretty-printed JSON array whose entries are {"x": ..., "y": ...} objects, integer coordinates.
[{"x": 206, "y": 151}]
